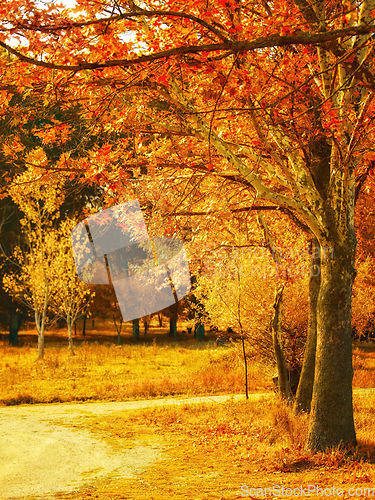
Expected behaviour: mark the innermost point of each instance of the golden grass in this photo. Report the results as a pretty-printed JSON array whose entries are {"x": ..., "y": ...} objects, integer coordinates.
[
  {"x": 364, "y": 365},
  {"x": 110, "y": 372},
  {"x": 105, "y": 371}
]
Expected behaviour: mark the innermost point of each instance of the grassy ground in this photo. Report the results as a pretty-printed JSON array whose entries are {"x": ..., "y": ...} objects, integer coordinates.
[
  {"x": 364, "y": 364},
  {"x": 101, "y": 370},
  {"x": 156, "y": 366}
]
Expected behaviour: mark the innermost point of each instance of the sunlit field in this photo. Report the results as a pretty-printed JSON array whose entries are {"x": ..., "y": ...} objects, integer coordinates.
[
  {"x": 154, "y": 366},
  {"x": 102, "y": 370}
]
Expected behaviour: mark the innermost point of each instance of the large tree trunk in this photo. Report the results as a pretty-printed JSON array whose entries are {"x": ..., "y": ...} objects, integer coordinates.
[
  {"x": 306, "y": 382},
  {"x": 331, "y": 421}
]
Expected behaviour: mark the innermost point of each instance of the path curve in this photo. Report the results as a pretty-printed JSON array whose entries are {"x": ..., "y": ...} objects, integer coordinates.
[{"x": 41, "y": 453}]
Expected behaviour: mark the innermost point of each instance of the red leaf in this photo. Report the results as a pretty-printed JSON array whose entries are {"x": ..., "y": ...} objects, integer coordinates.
[{"x": 164, "y": 79}]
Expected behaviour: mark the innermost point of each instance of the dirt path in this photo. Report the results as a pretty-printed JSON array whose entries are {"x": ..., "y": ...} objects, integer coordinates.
[
  {"x": 42, "y": 453},
  {"x": 46, "y": 449}
]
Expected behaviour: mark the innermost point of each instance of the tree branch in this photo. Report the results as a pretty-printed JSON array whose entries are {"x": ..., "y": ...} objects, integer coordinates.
[
  {"x": 234, "y": 46},
  {"x": 188, "y": 213}
]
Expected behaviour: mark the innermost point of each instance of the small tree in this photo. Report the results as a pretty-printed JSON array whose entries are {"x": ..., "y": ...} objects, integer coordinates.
[
  {"x": 70, "y": 296},
  {"x": 38, "y": 195},
  {"x": 30, "y": 285}
]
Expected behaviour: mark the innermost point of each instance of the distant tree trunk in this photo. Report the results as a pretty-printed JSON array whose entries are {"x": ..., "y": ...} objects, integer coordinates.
[
  {"x": 306, "y": 382},
  {"x": 282, "y": 371},
  {"x": 145, "y": 324},
  {"x": 84, "y": 324},
  {"x": 15, "y": 322},
  {"x": 173, "y": 327},
  {"x": 173, "y": 321},
  {"x": 136, "y": 329},
  {"x": 333, "y": 365},
  {"x": 199, "y": 332},
  {"x": 118, "y": 327},
  {"x": 160, "y": 318}
]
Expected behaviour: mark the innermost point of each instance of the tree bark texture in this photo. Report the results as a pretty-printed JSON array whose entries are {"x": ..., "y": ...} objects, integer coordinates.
[{"x": 331, "y": 422}]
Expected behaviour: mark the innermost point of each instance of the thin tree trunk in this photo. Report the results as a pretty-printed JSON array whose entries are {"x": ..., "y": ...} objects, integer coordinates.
[
  {"x": 282, "y": 371},
  {"x": 118, "y": 327},
  {"x": 42, "y": 324},
  {"x": 245, "y": 364},
  {"x": 84, "y": 325},
  {"x": 331, "y": 420},
  {"x": 70, "y": 328},
  {"x": 40, "y": 321},
  {"x": 40, "y": 329},
  {"x": 40, "y": 345},
  {"x": 306, "y": 382},
  {"x": 173, "y": 321}
]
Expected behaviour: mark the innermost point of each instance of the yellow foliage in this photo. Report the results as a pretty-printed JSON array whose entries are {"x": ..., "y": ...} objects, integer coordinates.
[
  {"x": 38, "y": 192},
  {"x": 37, "y": 157},
  {"x": 239, "y": 292},
  {"x": 70, "y": 296}
]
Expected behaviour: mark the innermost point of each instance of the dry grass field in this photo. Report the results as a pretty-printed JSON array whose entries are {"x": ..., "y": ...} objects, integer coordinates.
[
  {"x": 156, "y": 366},
  {"x": 210, "y": 451}
]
